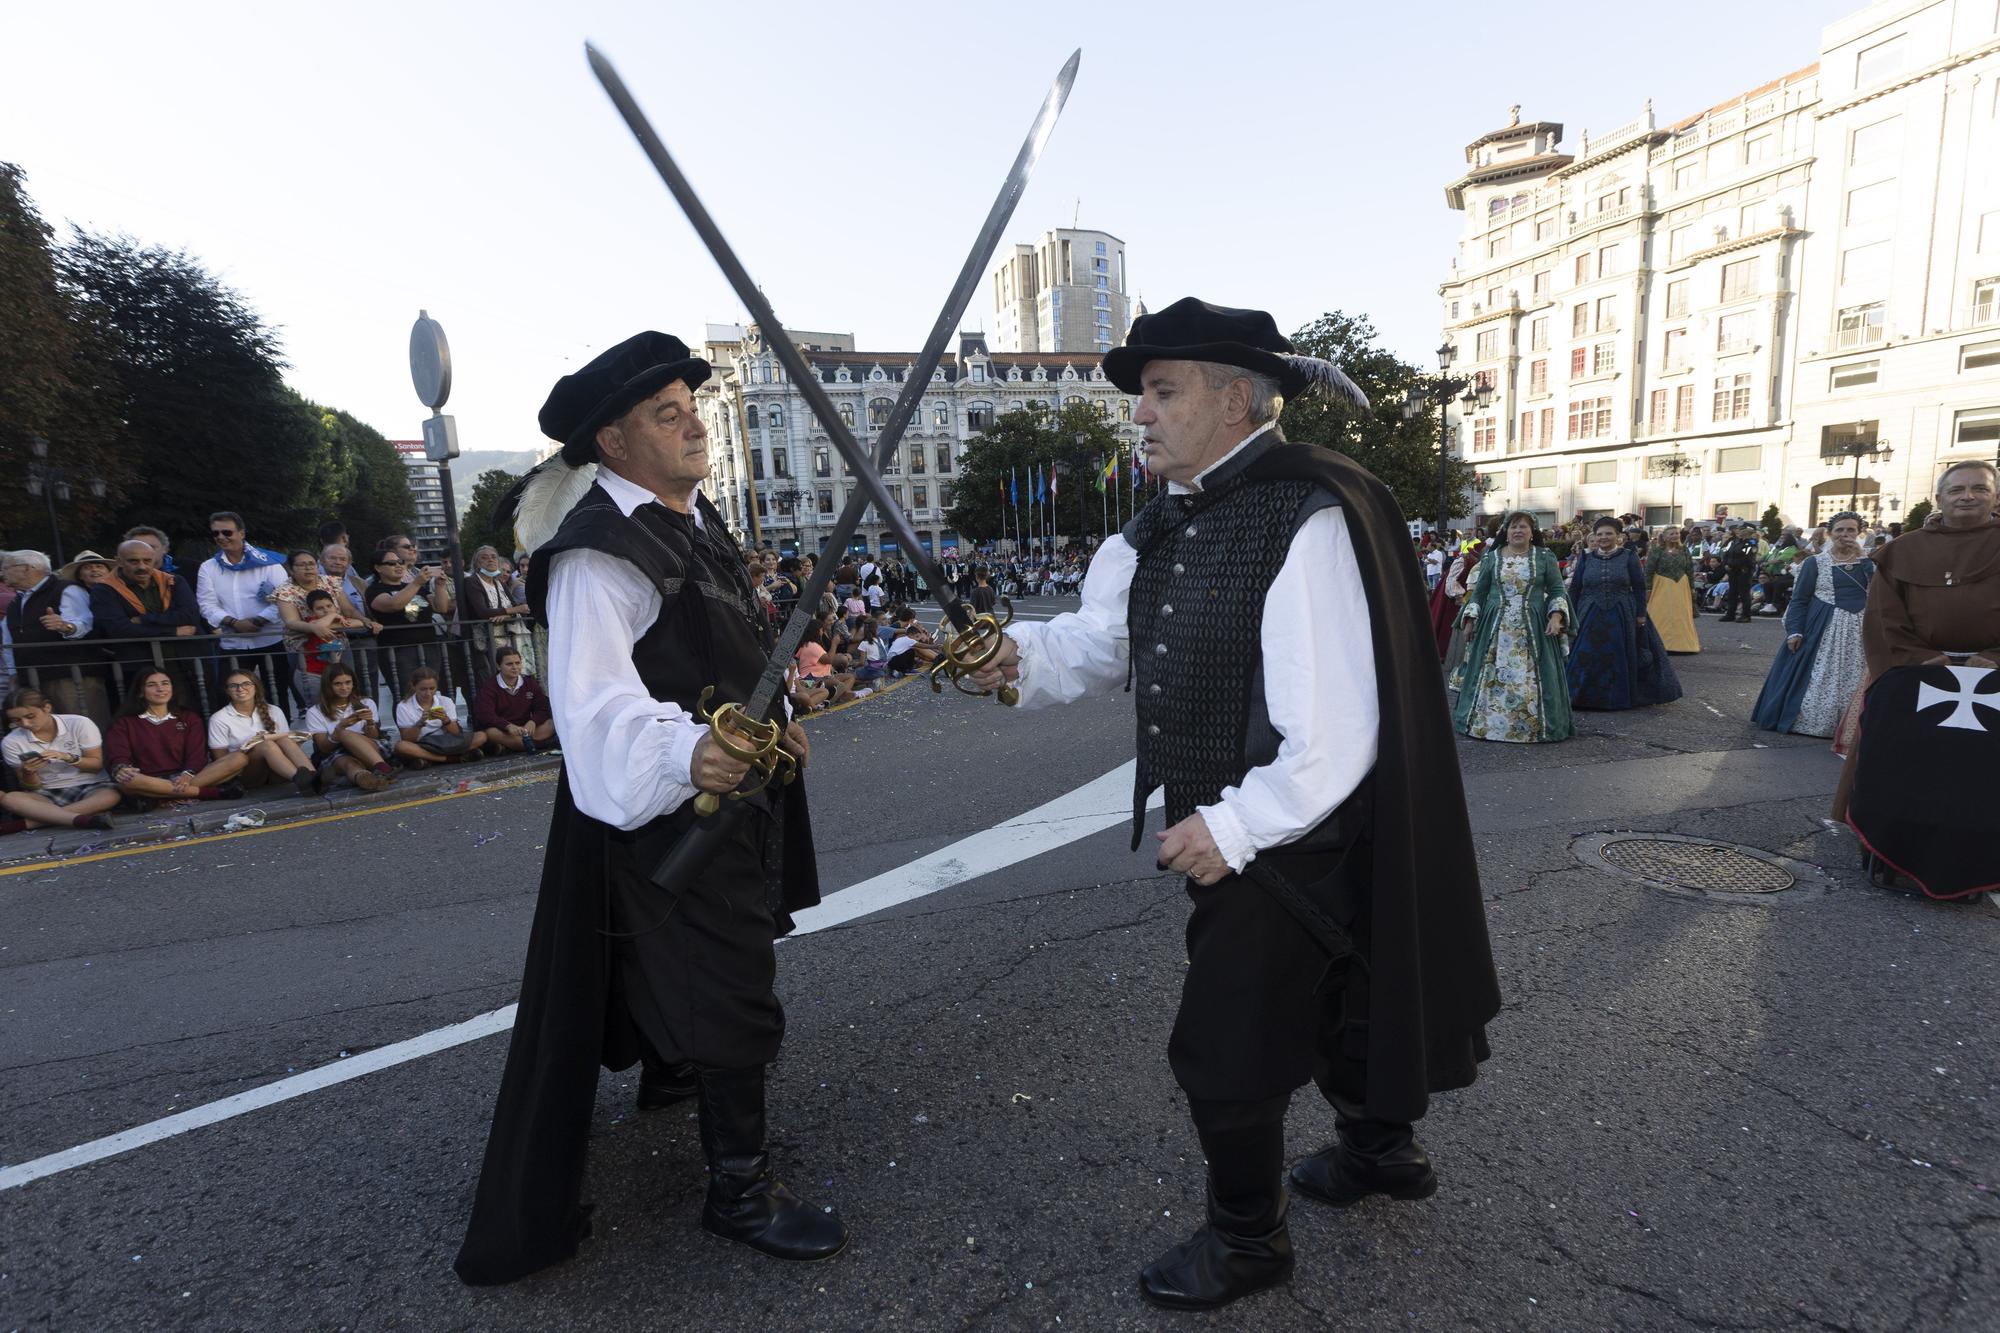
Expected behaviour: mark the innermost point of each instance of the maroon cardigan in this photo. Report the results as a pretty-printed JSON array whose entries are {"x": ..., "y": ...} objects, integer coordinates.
[
  {"x": 157, "y": 749},
  {"x": 495, "y": 707}
]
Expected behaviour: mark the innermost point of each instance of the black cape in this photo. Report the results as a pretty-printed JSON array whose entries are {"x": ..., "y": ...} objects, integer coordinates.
[
  {"x": 1923, "y": 730},
  {"x": 1432, "y": 985}
]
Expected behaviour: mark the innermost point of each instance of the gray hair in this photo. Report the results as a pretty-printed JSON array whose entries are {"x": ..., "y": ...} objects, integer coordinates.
[
  {"x": 32, "y": 559},
  {"x": 1859, "y": 521},
  {"x": 1265, "y": 400},
  {"x": 1989, "y": 468}
]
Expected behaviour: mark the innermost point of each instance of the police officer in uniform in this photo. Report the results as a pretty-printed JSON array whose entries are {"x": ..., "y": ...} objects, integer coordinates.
[
  {"x": 647, "y": 603},
  {"x": 1268, "y": 616}
]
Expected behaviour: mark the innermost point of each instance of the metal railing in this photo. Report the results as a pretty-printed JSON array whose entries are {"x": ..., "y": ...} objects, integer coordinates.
[{"x": 93, "y": 676}]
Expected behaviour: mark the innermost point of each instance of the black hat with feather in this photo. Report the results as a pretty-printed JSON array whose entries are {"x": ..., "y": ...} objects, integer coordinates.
[{"x": 1194, "y": 330}]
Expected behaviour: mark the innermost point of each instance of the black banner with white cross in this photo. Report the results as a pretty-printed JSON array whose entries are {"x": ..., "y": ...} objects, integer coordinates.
[{"x": 1923, "y": 782}]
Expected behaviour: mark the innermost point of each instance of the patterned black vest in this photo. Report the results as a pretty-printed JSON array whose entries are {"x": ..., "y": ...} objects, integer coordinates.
[
  {"x": 24, "y": 625},
  {"x": 1195, "y": 614},
  {"x": 709, "y": 631}
]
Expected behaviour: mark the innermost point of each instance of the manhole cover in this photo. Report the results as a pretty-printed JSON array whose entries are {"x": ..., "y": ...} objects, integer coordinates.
[{"x": 1708, "y": 867}]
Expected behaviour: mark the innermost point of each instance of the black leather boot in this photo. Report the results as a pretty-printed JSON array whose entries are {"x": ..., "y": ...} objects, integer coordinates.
[
  {"x": 662, "y": 1085},
  {"x": 1245, "y": 1246},
  {"x": 1368, "y": 1157},
  {"x": 745, "y": 1201}
]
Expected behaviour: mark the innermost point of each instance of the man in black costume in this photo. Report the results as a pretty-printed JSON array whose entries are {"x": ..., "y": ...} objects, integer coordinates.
[
  {"x": 1739, "y": 560},
  {"x": 1312, "y": 787},
  {"x": 646, "y": 602}
]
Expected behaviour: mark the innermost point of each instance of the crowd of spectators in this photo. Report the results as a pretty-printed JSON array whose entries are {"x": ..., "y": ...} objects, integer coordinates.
[{"x": 133, "y": 682}]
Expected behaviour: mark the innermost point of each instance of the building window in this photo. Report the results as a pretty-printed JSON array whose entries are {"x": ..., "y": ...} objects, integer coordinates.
[
  {"x": 1758, "y": 148},
  {"x": 1600, "y": 472},
  {"x": 1656, "y": 411},
  {"x": 1981, "y": 428},
  {"x": 944, "y": 496},
  {"x": 1875, "y": 143},
  {"x": 1979, "y": 356},
  {"x": 1454, "y": 310},
  {"x": 823, "y": 501},
  {"x": 750, "y": 415},
  {"x": 916, "y": 458},
  {"x": 1590, "y": 419},
  {"x": 1673, "y": 354},
  {"x": 1493, "y": 297},
  {"x": 847, "y": 415},
  {"x": 944, "y": 458},
  {"x": 1833, "y": 438},
  {"x": 1687, "y": 175},
  {"x": 1607, "y": 313},
  {"x": 1607, "y": 261},
  {"x": 979, "y": 416},
  {"x": 822, "y": 462},
  {"x": 878, "y": 412},
  {"x": 1740, "y": 458},
  {"x": 1733, "y": 333},
  {"x": 1582, "y": 269},
  {"x": 1496, "y": 246},
  {"x": 1859, "y": 326},
  {"x": 1684, "y": 407},
  {"x": 1540, "y": 286},
  {"x": 1538, "y": 377},
  {"x": 757, "y": 464},
  {"x": 1488, "y": 345},
  {"x": 774, "y": 417},
  {"x": 1854, "y": 374},
  {"x": 1603, "y": 358},
  {"x": 1483, "y": 431},
  {"x": 920, "y": 497},
  {"x": 1538, "y": 478},
  {"x": 1579, "y": 319},
  {"x": 1538, "y": 334},
  {"x": 1527, "y": 436},
  {"x": 1880, "y": 61},
  {"x": 1125, "y": 410},
  {"x": 781, "y": 462},
  {"x": 1985, "y": 301},
  {"x": 1739, "y": 280},
  {"x": 1680, "y": 243},
  {"x": 1098, "y": 247},
  {"x": 1732, "y": 398},
  {"x": 1578, "y": 359},
  {"x": 1871, "y": 203},
  {"x": 763, "y": 506},
  {"x": 1545, "y": 228},
  {"x": 940, "y": 417}
]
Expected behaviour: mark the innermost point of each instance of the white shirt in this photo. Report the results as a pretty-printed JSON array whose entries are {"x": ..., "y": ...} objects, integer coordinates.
[
  {"x": 241, "y": 594},
  {"x": 410, "y": 713},
  {"x": 629, "y": 757},
  {"x": 320, "y": 723},
  {"x": 74, "y": 734},
  {"x": 231, "y": 729},
  {"x": 73, "y": 606},
  {"x": 1319, "y": 679},
  {"x": 903, "y": 643}
]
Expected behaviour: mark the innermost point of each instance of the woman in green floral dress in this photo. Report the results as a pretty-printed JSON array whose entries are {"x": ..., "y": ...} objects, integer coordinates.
[{"x": 1512, "y": 685}]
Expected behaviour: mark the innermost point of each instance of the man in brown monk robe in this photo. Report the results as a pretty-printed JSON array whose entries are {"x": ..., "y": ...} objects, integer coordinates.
[{"x": 1936, "y": 593}]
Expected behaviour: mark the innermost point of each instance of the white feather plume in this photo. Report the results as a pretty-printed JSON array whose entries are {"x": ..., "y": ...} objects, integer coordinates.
[
  {"x": 1326, "y": 378},
  {"x": 544, "y": 498}
]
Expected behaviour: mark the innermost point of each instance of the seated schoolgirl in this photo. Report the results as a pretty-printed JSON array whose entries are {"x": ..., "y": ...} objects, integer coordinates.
[
  {"x": 345, "y": 735},
  {"x": 427, "y": 727},
  {"x": 58, "y": 761},
  {"x": 157, "y": 748}
]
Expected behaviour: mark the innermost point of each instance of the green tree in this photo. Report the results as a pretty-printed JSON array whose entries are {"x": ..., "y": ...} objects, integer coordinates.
[
  {"x": 1772, "y": 524},
  {"x": 1402, "y": 453},
  {"x": 207, "y": 422},
  {"x": 1076, "y": 440},
  {"x": 1919, "y": 511},
  {"x": 478, "y": 528},
  {"x": 365, "y": 484},
  {"x": 55, "y": 383}
]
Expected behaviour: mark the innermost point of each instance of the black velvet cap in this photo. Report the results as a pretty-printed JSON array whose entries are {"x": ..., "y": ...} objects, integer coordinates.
[
  {"x": 1194, "y": 330},
  {"x": 607, "y": 388}
]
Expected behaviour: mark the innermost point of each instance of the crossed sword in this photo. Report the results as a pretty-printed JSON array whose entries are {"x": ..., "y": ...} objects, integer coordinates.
[{"x": 748, "y": 732}]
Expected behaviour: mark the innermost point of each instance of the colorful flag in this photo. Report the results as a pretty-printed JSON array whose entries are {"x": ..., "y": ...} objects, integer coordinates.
[
  {"x": 1053, "y": 469},
  {"x": 1014, "y": 487},
  {"x": 1111, "y": 471}
]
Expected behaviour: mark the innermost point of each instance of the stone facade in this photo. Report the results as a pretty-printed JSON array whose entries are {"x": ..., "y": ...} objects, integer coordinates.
[{"x": 770, "y": 458}]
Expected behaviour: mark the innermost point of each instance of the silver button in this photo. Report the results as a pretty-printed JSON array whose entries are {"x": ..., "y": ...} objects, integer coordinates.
[
  {"x": 1179, "y": 568},
  {"x": 1159, "y": 650},
  {"x": 1152, "y": 730},
  {"x": 1190, "y": 531},
  {"x": 1167, "y": 610},
  {"x": 1152, "y": 689}
]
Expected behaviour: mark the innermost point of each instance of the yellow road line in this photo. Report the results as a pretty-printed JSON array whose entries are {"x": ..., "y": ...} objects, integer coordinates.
[
  {"x": 271, "y": 828},
  {"x": 34, "y": 866}
]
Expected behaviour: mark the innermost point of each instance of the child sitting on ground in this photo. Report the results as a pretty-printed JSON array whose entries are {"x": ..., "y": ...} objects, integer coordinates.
[{"x": 427, "y": 726}]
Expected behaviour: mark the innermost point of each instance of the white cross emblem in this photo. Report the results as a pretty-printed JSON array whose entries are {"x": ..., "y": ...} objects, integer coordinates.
[{"x": 1962, "y": 716}]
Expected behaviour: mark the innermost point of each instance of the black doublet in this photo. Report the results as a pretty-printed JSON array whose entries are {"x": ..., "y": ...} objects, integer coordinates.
[{"x": 696, "y": 988}]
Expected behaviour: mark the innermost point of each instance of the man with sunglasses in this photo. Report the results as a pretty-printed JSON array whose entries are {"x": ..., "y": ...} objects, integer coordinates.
[{"x": 234, "y": 593}]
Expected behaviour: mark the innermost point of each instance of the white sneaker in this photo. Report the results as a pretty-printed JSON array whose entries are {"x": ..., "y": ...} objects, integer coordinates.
[{"x": 863, "y": 693}]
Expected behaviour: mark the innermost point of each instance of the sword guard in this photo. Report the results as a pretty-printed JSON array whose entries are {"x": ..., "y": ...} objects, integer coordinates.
[
  {"x": 971, "y": 648},
  {"x": 746, "y": 739}
]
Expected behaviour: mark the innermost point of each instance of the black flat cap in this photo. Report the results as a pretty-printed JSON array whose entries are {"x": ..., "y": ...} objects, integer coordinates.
[{"x": 610, "y": 385}]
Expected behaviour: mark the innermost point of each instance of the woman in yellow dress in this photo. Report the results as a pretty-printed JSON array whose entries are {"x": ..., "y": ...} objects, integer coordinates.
[{"x": 1670, "y": 594}]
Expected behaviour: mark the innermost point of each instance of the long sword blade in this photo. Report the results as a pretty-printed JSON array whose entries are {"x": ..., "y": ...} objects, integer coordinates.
[
  {"x": 969, "y": 276},
  {"x": 780, "y": 342}
]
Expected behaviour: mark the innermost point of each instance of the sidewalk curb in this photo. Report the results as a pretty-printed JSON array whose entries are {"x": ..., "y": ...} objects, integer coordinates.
[{"x": 283, "y": 809}]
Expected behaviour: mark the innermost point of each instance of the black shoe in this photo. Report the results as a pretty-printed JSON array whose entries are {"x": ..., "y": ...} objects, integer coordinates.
[
  {"x": 661, "y": 1086},
  {"x": 1371, "y": 1157},
  {"x": 745, "y": 1201},
  {"x": 1245, "y": 1247},
  {"x": 231, "y": 790},
  {"x": 305, "y": 782},
  {"x": 100, "y": 822}
]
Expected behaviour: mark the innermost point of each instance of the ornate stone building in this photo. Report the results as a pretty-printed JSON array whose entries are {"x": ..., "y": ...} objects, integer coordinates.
[{"x": 778, "y": 479}]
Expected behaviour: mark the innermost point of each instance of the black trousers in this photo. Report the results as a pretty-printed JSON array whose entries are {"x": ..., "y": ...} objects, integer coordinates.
[
  {"x": 1738, "y": 594},
  {"x": 1263, "y": 1008},
  {"x": 699, "y": 988}
]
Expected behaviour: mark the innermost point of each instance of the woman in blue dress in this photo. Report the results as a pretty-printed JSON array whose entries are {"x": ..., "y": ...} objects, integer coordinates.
[
  {"x": 1820, "y": 664},
  {"x": 1618, "y": 661}
]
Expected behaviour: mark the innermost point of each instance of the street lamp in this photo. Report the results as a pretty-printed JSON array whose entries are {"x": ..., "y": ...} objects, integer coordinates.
[
  {"x": 1865, "y": 444},
  {"x": 1675, "y": 465},
  {"x": 1477, "y": 394},
  {"x": 52, "y": 484}
]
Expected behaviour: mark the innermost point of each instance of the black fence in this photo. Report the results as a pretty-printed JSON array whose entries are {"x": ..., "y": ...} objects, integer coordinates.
[{"x": 93, "y": 676}]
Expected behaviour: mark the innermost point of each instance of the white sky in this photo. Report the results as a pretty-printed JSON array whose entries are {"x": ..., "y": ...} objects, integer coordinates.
[{"x": 344, "y": 166}]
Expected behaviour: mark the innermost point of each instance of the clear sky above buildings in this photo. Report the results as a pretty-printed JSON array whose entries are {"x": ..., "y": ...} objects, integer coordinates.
[{"x": 345, "y": 165}]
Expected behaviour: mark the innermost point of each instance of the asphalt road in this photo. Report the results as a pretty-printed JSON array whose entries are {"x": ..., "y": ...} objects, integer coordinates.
[{"x": 1701, "y": 1112}]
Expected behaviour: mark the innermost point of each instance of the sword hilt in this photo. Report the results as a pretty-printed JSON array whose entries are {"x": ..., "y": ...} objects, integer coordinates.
[
  {"x": 744, "y": 738},
  {"x": 969, "y": 649}
]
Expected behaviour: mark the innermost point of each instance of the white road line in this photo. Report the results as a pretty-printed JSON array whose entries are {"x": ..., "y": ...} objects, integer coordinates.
[{"x": 1099, "y": 804}]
